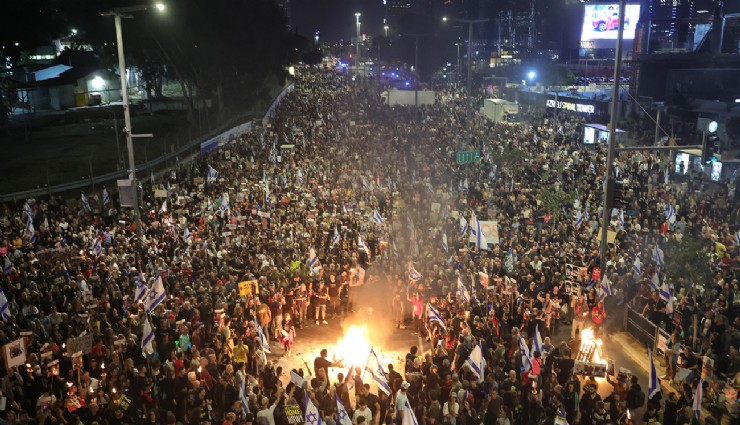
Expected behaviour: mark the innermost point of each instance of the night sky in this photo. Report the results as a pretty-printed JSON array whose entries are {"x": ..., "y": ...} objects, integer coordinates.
[{"x": 336, "y": 18}]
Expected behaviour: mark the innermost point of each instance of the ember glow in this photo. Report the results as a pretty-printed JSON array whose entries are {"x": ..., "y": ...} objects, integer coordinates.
[{"x": 354, "y": 347}]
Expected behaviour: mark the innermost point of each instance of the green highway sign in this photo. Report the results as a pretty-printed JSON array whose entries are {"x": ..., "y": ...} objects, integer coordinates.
[{"x": 466, "y": 157}]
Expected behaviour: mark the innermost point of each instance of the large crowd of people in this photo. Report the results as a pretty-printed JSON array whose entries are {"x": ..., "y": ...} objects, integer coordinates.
[{"x": 337, "y": 193}]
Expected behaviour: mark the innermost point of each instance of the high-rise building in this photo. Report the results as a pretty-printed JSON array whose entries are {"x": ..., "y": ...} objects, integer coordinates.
[{"x": 285, "y": 5}]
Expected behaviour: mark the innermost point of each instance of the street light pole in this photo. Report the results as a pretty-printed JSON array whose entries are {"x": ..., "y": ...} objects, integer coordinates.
[
  {"x": 470, "y": 23},
  {"x": 127, "y": 122},
  {"x": 357, "y": 44},
  {"x": 606, "y": 214}
]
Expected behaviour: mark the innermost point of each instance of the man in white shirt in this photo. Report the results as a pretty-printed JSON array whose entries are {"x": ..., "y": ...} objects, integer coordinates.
[
  {"x": 265, "y": 415},
  {"x": 401, "y": 400},
  {"x": 362, "y": 411}
]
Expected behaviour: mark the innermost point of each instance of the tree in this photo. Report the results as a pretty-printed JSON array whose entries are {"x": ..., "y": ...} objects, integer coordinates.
[{"x": 685, "y": 260}]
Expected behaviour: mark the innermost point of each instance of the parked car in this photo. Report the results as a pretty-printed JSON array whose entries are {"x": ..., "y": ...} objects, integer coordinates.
[{"x": 609, "y": 22}]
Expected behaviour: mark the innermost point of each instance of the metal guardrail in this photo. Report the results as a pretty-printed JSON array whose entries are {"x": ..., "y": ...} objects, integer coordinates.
[
  {"x": 139, "y": 167},
  {"x": 640, "y": 327}
]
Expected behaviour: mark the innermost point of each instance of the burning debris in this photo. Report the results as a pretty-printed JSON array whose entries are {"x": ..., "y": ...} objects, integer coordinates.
[{"x": 590, "y": 361}]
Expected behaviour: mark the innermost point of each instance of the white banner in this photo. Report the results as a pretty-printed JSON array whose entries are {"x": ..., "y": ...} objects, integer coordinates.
[{"x": 490, "y": 231}]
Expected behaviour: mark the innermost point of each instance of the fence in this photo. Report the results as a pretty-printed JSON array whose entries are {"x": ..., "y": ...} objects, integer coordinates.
[
  {"x": 645, "y": 331},
  {"x": 216, "y": 138}
]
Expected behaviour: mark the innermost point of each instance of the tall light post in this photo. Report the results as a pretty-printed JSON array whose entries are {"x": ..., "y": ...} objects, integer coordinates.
[
  {"x": 125, "y": 12},
  {"x": 459, "y": 76},
  {"x": 386, "y": 30},
  {"x": 357, "y": 43},
  {"x": 470, "y": 23}
]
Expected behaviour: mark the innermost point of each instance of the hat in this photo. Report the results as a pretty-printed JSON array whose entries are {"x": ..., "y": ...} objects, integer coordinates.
[{"x": 405, "y": 385}]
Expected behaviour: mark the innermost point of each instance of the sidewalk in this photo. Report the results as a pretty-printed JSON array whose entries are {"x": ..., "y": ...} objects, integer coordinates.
[{"x": 637, "y": 353}]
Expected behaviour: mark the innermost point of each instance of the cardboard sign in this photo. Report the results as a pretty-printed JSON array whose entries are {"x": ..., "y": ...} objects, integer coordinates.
[
  {"x": 294, "y": 414},
  {"x": 248, "y": 287},
  {"x": 80, "y": 344},
  {"x": 14, "y": 353},
  {"x": 159, "y": 193}
]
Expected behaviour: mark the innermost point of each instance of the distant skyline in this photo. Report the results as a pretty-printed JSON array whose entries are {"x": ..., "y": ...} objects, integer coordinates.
[{"x": 335, "y": 19}]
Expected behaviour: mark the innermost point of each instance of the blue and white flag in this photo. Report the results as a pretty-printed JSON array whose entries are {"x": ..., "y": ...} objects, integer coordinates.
[
  {"x": 413, "y": 274},
  {"x": 580, "y": 218},
  {"x": 266, "y": 182},
  {"x": 361, "y": 245},
  {"x": 27, "y": 210},
  {"x": 591, "y": 284},
  {"x": 97, "y": 246},
  {"x": 621, "y": 218},
  {"x": 155, "y": 296},
  {"x": 312, "y": 416},
  {"x": 4, "y": 306},
  {"x": 335, "y": 239},
  {"x": 670, "y": 214},
  {"x": 653, "y": 383},
  {"x": 736, "y": 238},
  {"x": 106, "y": 196},
  {"x": 592, "y": 168},
  {"x": 475, "y": 362},
  {"x": 299, "y": 176},
  {"x": 526, "y": 356},
  {"x": 212, "y": 174},
  {"x": 444, "y": 243},
  {"x": 7, "y": 265},
  {"x": 141, "y": 289},
  {"x": 30, "y": 230},
  {"x": 655, "y": 282},
  {"x": 636, "y": 267},
  {"x": 147, "y": 338},
  {"x": 409, "y": 418},
  {"x": 347, "y": 209},
  {"x": 243, "y": 397},
  {"x": 342, "y": 415},
  {"x": 163, "y": 208},
  {"x": 475, "y": 229},
  {"x": 665, "y": 294},
  {"x": 264, "y": 342},
  {"x": 462, "y": 291},
  {"x": 186, "y": 236},
  {"x": 698, "y": 395},
  {"x": 86, "y": 203},
  {"x": 377, "y": 217},
  {"x": 375, "y": 369},
  {"x": 658, "y": 256},
  {"x": 224, "y": 204},
  {"x": 605, "y": 289},
  {"x": 463, "y": 226},
  {"x": 537, "y": 340},
  {"x": 434, "y": 317},
  {"x": 313, "y": 260}
]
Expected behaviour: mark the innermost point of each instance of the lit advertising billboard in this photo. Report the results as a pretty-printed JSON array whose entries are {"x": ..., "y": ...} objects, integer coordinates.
[{"x": 601, "y": 22}]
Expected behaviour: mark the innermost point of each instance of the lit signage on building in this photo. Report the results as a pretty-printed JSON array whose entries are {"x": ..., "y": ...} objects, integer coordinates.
[{"x": 570, "y": 106}]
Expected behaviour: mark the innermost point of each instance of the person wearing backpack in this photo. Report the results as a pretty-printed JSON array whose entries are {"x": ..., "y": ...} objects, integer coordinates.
[{"x": 635, "y": 395}]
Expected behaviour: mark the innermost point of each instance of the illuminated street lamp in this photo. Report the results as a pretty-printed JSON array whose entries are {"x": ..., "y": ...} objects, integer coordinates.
[
  {"x": 118, "y": 13},
  {"x": 531, "y": 75},
  {"x": 357, "y": 43},
  {"x": 386, "y": 30}
]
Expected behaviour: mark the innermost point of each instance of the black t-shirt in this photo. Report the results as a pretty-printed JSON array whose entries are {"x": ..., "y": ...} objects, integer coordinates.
[{"x": 372, "y": 401}]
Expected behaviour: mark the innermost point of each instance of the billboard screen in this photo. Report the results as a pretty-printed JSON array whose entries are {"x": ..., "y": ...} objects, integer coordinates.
[{"x": 601, "y": 22}]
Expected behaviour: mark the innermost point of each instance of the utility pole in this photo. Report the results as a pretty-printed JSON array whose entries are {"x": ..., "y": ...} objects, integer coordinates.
[
  {"x": 606, "y": 214},
  {"x": 470, "y": 23},
  {"x": 416, "y": 70}
]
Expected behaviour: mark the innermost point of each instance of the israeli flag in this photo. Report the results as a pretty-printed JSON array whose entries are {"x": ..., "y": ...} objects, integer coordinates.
[
  {"x": 30, "y": 231},
  {"x": 243, "y": 397},
  {"x": 335, "y": 239},
  {"x": 698, "y": 395},
  {"x": 537, "y": 340},
  {"x": 212, "y": 174},
  {"x": 86, "y": 203},
  {"x": 313, "y": 260},
  {"x": 736, "y": 238},
  {"x": 655, "y": 282},
  {"x": 342, "y": 415},
  {"x": 475, "y": 229},
  {"x": 4, "y": 306},
  {"x": 186, "y": 236},
  {"x": 377, "y": 217},
  {"x": 670, "y": 214},
  {"x": 376, "y": 371},
  {"x": 636, "y": 267},
  {"x": 444, "y": 243},
  {"x": 299, "y": 176},
  {"x": 27, "y": 210},
  {"x": 97, "y": 246},
  {"x": 266, "y": 182},
  {"x": 106, "y": 197},
  {"x": 526, "y": 356},
  {"x": 590, "y": 285},
  {"x": 654, "y": 384},
  {"x": 579, "y": 219},
  {"x": 475, "y": 362},
  {"x": 658, "y": 256},
  {"x": 155, "y": 296},
  {"x": 147, "y": 338},
  {"x": 621, "y": 218},
  {"x": 7, "y": 265},
  {"x": 163, "y": 208},
  {"x": 665, "y": 294},
  {"x": 592, "y": 168},
  {"x": 365, "y": 185},
  {"x": 408, "y": 415},
  {"x": 224, "y": 204},
  {"x": 463, "y": 226},
  {"x": 462, "y": 291},
  {"x": 413, "y": 274},
  {"x": 605, "y": 288},
  {"x": 312, "y": 416},
  {"x": 263, "y": 340},
  {"x": 434, "y": 317},
  {"x": 361, "y": 245},
  {"x": 141, "y": 289}
]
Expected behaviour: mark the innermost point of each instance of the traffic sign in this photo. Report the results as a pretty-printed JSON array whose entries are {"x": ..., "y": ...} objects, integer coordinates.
[{"x": 466, "y": 157}]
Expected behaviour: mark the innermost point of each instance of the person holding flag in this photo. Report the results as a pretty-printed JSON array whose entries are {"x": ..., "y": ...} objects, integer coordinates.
[{"x": 155, "y": 296}]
